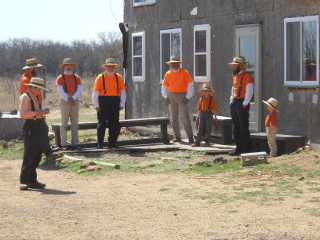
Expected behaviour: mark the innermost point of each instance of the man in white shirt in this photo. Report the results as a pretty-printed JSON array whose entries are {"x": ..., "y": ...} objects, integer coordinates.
[{"x": 69, "y": 88}]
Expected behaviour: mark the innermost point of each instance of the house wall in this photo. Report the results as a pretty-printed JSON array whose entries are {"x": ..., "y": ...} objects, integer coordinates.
[{"x": 297, "y": 117}]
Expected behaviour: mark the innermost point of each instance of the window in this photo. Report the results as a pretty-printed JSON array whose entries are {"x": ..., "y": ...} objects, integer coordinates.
[
  {"x": 137, "y": 3},
  {"x": 301, "y": 51},
  {"x": 170, "y": 45},
  {"x": 202, "y": 53},
  {"x": 138, "y": 57}
]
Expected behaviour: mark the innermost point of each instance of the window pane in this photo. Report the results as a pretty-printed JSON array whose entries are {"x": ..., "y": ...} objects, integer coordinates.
[
  {"x": 200, "y": 41},
  {"x": 175, "y": 44},
  {"x": 137, "y": 46},
  {"x": 247, "y": 50},
  {"x": 137, "y": 66},
  {"x": 309, "y": 51},
  {"x": 165, "y": 48},
  {"x": 201, "y": 65},
  {"x": 138, "y": 1},
  {"x": 293, "y": 51}
]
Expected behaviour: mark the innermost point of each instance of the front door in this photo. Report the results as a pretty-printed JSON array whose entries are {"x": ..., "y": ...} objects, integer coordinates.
[{"x": 248, "y": 39}]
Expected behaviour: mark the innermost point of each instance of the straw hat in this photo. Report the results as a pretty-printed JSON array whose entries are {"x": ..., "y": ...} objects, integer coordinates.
[
  {"x": 33, "y": 62},
  {"x": 174, "y": 59},
  {"x": 37, "y": 82},
  {"x": 110, "y": 62},
  {"x": 239, "y": 60},
  {"x": 273, "y": 103},
  {"x": 66, "y": 62},
  {"x": 206, "y": 87}
]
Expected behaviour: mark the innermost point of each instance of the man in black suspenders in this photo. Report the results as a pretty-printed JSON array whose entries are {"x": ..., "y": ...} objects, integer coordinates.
[
  {"x": 33, "y": 131},
  {"x": 69, "y": 88},
  {"x": 31, "y": 70},
  {"x": 241, "y": 94},
  {"x": 108, "y": 97}
]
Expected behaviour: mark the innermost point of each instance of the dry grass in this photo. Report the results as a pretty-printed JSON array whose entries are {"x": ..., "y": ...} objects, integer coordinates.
[{"x": 9, "y": 93}]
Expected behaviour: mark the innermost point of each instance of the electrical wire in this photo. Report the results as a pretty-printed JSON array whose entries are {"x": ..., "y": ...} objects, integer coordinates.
[{"x": 112, "y": 12}]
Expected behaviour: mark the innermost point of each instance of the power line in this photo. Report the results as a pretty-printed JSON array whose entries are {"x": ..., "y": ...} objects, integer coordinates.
[{"x": 113, "y": 13}]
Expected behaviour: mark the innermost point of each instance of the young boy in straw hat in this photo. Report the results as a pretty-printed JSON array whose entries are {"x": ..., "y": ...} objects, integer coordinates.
[
  {"x": 206, "y": 105},
  {"x": 271, "y": 125}
]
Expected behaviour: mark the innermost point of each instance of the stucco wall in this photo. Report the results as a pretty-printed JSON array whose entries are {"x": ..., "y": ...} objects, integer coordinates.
[{"x": 299, "y": 116}]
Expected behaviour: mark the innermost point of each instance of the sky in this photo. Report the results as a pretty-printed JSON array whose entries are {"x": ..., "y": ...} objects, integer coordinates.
[{"x": 59, "y": 20}]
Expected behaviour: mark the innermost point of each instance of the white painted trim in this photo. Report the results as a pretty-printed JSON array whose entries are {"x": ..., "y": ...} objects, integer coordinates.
[
  {"x": 146, "y": 2},
  {"x": 301, "y": 83},
  {"x": 143, "y": 56},
  {"x": 207, "y": 28},
  {"x": 169, "y": 31}
]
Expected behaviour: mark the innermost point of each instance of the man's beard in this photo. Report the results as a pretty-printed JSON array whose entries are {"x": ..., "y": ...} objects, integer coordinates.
[
  {"x": 34, "y": 72},
  {"x": 68, "y": 71},
  {"x": 236, "y": 71},
  {"x": 110, "y": 72},
  {"x": 174, "y": 68}
]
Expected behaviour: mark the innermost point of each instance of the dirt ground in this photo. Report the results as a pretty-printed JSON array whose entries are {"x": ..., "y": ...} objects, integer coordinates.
[{"x": 122, "y": 205}]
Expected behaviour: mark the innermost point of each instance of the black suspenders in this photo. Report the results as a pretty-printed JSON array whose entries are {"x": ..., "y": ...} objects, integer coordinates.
[
  {"x": 32, "y": 105},
  {"x": 104, "y": 84},
  {"x": 65, "y": 83},
  {"x": 209, "y": 102},
  {"x": 239, "y": 92}
]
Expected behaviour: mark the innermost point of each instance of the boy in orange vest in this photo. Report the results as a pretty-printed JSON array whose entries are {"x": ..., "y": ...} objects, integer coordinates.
[
  {"x": 271, "y": 125},
  {"x": 206, "y": 107}
]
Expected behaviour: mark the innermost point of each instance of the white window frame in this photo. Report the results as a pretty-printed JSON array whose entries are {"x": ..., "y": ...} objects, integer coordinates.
[
  {"x": 301, "y": 83},
  {"x": 169, "y": 31},
  {"x": 143, "y": 76},
  {"x": 207, "y": 28},
  {"x": 144, "y": 3}
]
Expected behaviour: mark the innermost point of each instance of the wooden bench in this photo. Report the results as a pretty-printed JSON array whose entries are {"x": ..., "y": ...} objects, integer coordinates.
[
  {"x": 285, "y": 143},
  {"x": 162, "y": 121},
  {"x": 221, "y": 131}
]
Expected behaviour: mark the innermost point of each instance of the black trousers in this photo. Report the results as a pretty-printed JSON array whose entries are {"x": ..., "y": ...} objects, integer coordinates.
[
  {"x": 33, "y": 131},
  {"x": 108, "y": 116},
  {"x": 240, "y": 119}
]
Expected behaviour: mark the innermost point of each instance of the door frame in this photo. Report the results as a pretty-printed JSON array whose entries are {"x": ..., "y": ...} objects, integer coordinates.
[{"x": 253, "y": 30}]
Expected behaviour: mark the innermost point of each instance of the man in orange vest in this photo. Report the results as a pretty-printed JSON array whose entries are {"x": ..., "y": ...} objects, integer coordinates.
[
  {"x": 69, "y": 88},
  {"x": 108, "y": 97},
  {"x": 32, "y": 68},
  {"x": 177, "y": 89},
  {"x": 241, "y": 94}
]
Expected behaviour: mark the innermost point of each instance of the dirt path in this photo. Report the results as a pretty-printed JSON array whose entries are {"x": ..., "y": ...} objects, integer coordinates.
[{"x": 145, "y": 206}]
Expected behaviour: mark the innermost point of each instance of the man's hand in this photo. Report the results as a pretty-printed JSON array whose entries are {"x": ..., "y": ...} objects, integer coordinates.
[
  {"x": 98, "y": 109},
  {"x": 244, "y": 106},
  {"x": 167, "y": 100},
  {"x": 185, "y": 101},
  {"x": 71, "y": 101}
]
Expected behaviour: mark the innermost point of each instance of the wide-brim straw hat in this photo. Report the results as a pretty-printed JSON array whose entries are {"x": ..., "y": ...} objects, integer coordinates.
[
  {"x": 206, "y": 87},
  {"x": 66, "y": 62},
  {"x": 239, "y": 60},
  {"x": 174, "y": 59},
  {"x": 273, "y": 103},
  {"x": 37, "y": 82},
  {"x": 110, "y": 62},
  {"x": 31, "y": 63}
]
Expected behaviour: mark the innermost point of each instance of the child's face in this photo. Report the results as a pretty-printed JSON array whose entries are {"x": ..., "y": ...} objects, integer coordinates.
[
  {"x": 269, "y": 108},
  {"x": 206, "y": 92}
]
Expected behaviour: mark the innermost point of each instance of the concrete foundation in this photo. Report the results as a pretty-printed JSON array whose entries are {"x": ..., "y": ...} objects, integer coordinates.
[{"x": 10, "y": 126}]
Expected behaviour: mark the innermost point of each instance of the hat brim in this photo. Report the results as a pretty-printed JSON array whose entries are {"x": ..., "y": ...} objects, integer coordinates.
[
  {"x": 32, "y": 66},
  {"x": 210, "y": 90},
  {"x": 235, "y": 63},
  {"x": 115, "y": 65},
  {"x": 169, "y": 63},
  {"x": 267, "y": 103},
  {"x": 62, "y": 65},
  {"x": 35, "y": 85}
]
